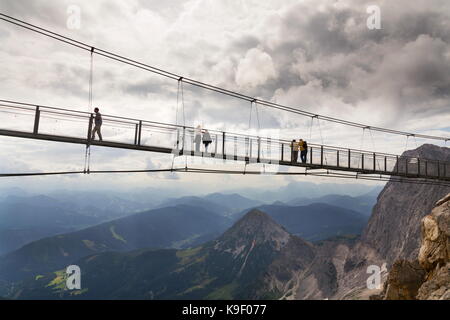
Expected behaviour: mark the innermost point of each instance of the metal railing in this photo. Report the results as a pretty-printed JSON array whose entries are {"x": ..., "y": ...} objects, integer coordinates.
[{"x": 57, "y": 122}]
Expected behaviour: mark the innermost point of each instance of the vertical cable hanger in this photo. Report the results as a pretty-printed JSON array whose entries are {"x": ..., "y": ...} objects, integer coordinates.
[
  {"x": 180, "y": 81},
  {"x": 373, "y": 148},
  {"x": 177, "y": 142},
  {"x": 259, "y": 131},
  {"x": 87, "y": 156},
  {"x": 361, "y": 148},
  {"x": 310, "y": 127},
  {"x": 321, "y": 138},
  {"x": 249, "y": 128}
]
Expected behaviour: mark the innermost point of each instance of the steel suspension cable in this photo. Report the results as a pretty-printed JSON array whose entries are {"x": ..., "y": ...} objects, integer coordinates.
[{"x": 193, "y": 82}]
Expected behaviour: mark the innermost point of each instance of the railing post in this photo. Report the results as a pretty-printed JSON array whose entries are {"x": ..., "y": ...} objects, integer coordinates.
[
  {"x": 426, "y": 168},
  {"x": 247, "y": 147},
  {"x": 223, "y": 145},
  {"x": 258, "y": 159},
  {"x": 418, "y": 166},
  {"x": 349, "y": 159},
  {"x": 136, "y": 129},
  {"x": 91, "y": 121},
  {"x": 184, "y": 139},
  {"x": 37, "y": 116},
  {"x": 321, "y": 155},
  {"x": 374, "y": 161},
  {"x": 311, "y": 155},
  {"x": 385, "y": 164},
  {"x": 282, "y": 151},
  {"x": 362, "y": 161},
  {"x": 215, "y": 147},
  {"x": 140, "y": 132},
  {"x": 337, "y": 161},
  {"x": 235, "y": 148},
  {"x": 396, "y": 165}
]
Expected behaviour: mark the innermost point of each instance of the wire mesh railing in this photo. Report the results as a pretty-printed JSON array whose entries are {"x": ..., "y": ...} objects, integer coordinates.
[{"x": 42, "y": 120}]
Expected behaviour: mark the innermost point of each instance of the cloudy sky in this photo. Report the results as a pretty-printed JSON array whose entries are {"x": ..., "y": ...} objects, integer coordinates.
[{"x": 316, "y": 55}]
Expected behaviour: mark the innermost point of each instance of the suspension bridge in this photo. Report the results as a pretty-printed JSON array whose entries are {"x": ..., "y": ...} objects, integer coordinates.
[{"x": 66, "y": 125}]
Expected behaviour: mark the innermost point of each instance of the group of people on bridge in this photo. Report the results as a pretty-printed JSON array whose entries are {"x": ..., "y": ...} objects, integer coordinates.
[
  {"x": 297, "y": 146},
  {"x": 203, "y": 136}
]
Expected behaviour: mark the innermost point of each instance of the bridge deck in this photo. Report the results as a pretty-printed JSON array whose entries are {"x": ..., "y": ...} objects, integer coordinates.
[{"x": 54, "y": 124}]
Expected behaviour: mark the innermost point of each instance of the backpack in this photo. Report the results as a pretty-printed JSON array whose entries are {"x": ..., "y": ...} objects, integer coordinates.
[{"x": 305, "y": 145}]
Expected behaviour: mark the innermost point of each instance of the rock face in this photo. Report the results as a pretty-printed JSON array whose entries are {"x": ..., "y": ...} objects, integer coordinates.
[
  {"x": 392, "y": 233},
  {"x": 404, "y": 281},
  {"x": 394, "y": 228},
  {"x": 434, "y": 254},
  {"x": 428, "y": 276}
]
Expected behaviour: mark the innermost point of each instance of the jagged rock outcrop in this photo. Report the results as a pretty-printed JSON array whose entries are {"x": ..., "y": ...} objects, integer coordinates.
[
  {"x": 404, "y": 281},
  {"x": 394, "y": 227},
  {"x": 434, "y": 254},
  {"x": 393, "y": 231},
  {"x": 428, "y": 276}
]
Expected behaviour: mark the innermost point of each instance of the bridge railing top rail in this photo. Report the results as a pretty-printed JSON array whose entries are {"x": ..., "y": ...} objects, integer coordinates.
[{"x": 64, "y": 112}]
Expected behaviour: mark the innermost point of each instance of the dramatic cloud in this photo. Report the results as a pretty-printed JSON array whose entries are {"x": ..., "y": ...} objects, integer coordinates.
[
  {"x": 317, "y": 55},
  {"x": 255, "y": 69}
]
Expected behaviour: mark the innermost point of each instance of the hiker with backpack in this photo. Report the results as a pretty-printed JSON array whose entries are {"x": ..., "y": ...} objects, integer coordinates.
[{"x": 303, "y": 150}]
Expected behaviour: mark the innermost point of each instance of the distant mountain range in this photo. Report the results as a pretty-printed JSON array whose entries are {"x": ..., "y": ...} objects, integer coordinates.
[
  {"x": 41, "y": 234},
  {"x": 223, "y": 204},
  {"x": 258, "y": 257},
  {"x": 317, "y": 221},
  {"x": 234, "y": 266},
  {"x": 363, "y": 203},
  {"x": 302, "y": 189},
  {"x": 25, "y": 219},
  {"x": 178, "y": 226}
]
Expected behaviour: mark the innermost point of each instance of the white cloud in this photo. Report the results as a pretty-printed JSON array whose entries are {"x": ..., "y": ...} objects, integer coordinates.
[
  {"x": 255, "y": 69},
  {"x": 317, "y": 55}
]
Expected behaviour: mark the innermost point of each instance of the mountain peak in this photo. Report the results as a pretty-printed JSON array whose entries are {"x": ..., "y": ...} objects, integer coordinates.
[
  {"x": 255, "y": 228},
  {"x": 429, "y": 151}
]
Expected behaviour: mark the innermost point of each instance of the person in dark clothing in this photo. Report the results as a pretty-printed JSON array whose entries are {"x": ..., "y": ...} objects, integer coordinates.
[
  {"x": 294, "y": 151},
  {"x": 98, "y": 125},
  {"x": 303, "y": 150},
  {"x": 206, "y": 139}
]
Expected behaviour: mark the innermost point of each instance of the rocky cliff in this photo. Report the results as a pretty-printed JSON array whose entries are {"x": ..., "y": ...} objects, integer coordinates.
[
  {"x": 394, "y": 227},
  {"x": 428, "y": 276},
  {"x": 392, "y": 238}
]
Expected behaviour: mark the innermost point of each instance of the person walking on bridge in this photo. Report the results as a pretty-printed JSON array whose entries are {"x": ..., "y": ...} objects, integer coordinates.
[
  {"x": 198, "y": 138},
  {"x": 206, "y": 139},
  {"x": 98, "y": 125},
  {"x": 303, "y": 150},
  {"x": 294, "y": 151}
]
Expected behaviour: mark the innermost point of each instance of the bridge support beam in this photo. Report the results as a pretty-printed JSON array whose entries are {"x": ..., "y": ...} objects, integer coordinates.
[
  {"x": 37, "y": 116},
  {"x": 139, "y": 133},
  {"x": 91, "y": 121},
  {"x": 321, "y": 155},
  {"x": 337, "y": 158},
  {"x": 349, "y": 158},
  {"x": 223, "y": 145}
]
